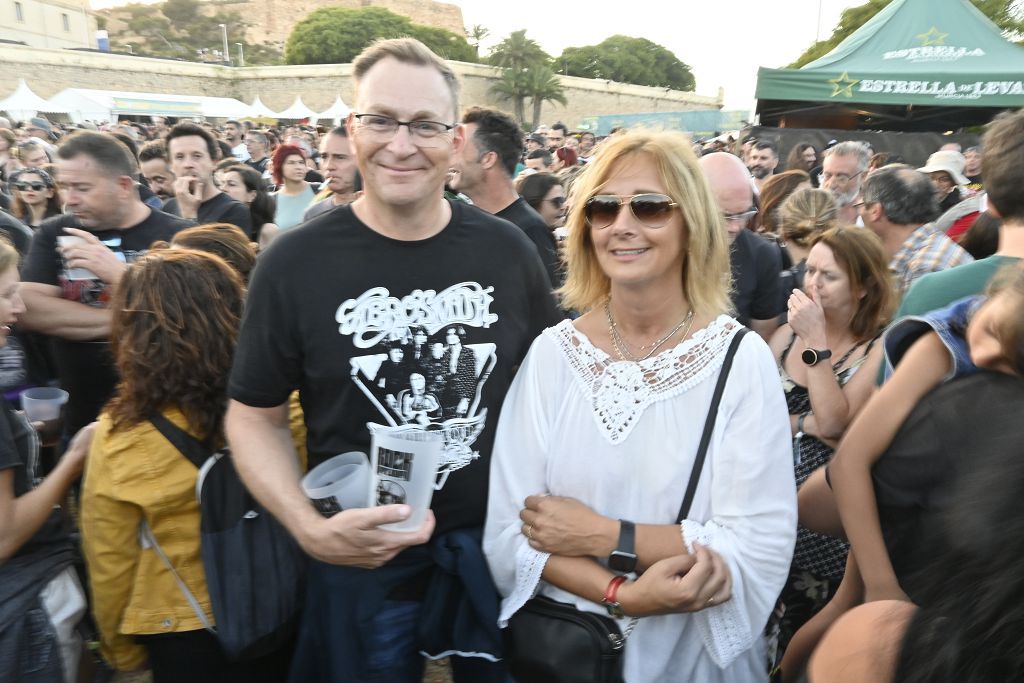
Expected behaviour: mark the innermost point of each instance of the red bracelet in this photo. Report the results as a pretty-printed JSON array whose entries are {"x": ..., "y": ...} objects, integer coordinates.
[{"x": 609, "y": 601}]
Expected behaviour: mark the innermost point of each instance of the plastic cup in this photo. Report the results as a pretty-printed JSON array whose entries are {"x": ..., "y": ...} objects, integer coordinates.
[
  {"x": 339, "y": 483},
  {"x": 44, "y": 404},
  {"x": 405, "y": 467}
]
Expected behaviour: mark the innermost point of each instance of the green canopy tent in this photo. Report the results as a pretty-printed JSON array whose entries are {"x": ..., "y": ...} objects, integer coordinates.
[{"x": 916, "y": 65}]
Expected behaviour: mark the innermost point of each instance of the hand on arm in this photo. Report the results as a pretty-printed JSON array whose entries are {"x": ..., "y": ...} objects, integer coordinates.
[
  {"x": 869, "y": 436},
  {"x": 262, "y": 448}
]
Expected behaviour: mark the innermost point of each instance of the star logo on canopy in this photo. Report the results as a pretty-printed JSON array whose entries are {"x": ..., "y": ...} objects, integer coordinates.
[
  {"x": 932, "y": 36},
  {"x": 843, "y": 85}
]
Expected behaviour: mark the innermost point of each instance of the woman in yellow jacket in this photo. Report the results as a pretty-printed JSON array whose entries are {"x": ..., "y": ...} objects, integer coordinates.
[{"x": 176, "y": 316}]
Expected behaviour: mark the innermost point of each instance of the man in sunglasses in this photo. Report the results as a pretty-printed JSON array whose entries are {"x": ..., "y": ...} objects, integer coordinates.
[
  {"x": 756, "y": 263},
  {"x": 326, "y": 305},
  {"x": 484, "y": 174}
]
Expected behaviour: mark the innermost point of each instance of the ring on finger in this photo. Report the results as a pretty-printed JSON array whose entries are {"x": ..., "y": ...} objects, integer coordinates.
[
  {"x": 711, "y": 600},
  {"x": 529, "y": 532}
]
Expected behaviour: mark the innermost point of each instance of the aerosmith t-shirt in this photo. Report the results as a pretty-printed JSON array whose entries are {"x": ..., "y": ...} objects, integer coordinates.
[{"x": 406, "y": 336}]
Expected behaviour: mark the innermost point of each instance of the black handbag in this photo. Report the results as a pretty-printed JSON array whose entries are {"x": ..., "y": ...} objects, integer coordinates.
[{"x": 553, "y": 642}]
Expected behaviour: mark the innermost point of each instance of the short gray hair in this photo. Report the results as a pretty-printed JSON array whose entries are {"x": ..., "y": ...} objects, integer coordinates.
[
  {"x": 851, "y": 148},
  {"x": 906, "y": 195}
]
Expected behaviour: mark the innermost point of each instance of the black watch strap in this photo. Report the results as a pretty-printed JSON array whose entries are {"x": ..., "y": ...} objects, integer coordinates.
[{"x": 623, "y": 558}]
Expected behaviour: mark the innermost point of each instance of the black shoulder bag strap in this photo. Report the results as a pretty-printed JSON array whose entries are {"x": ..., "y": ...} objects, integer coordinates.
[
  {"x": 192, "y": 448},
  {"x": 709, "y": 426}
]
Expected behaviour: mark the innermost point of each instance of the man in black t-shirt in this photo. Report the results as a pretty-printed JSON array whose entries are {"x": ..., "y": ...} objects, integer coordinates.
[
  {"x": 257, "y": 144},
  {"x": 193, "y": 151},
  {"x": 484, "y": 172},
  {"x": 324, "y": 303},
  {"x": 76, "y": 261},
  {"x": 756, "y": 263}
]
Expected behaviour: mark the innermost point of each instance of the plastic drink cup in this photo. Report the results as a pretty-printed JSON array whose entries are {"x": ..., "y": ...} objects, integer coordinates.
[{"x": 339, "y": 483}]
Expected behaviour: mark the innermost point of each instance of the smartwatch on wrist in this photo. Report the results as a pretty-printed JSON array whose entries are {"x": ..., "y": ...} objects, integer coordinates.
[
  {"x": 814, "y": 356},
  {"x": 623, "y": 558}
]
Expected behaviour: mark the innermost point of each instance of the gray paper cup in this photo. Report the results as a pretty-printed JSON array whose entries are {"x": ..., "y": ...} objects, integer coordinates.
[{"x": 340, "y": 483}]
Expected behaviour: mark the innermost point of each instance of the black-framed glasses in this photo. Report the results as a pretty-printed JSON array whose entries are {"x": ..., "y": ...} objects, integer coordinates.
[
  {"x": 35, "y": 187},
  {"x": 824, "y": 177},
  {"x": 650, "y": 209},
  {"x": 741, "y": 217},
  {"x": 387, "y": 126}
]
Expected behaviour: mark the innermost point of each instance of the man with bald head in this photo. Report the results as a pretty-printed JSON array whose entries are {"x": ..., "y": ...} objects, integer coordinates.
[{"x": 756, "y": 263}]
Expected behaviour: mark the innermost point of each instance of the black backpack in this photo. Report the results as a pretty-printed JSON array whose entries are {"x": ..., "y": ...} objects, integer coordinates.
[{"x": 255, "y": 571}]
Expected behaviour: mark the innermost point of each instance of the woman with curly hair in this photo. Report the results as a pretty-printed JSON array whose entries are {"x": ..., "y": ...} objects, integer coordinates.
[{"x": 176, "y": 318}]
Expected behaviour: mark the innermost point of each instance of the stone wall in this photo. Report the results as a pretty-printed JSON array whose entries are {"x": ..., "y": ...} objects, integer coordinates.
[
  {"x": 50, "y": 71},
  {"x": 271, "y": 21}
]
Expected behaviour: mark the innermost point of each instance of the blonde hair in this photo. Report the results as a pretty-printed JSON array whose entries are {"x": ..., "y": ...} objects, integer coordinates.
[
  {"x": 406, "y": 51},
  {"x": 706, "y": 285},
  {"x": 8, "y": 255},
  {"x": 806, "y": 214}
]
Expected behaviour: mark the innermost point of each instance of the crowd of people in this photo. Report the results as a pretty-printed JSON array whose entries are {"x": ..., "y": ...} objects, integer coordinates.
[{"x": 566, "y": 312}]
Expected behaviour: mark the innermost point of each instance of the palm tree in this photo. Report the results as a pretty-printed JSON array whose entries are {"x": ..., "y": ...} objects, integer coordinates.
[
  {"x": 512, "y": 86},
  {"x": 516, "y": 54},
  {"x": 543, "y": 86},
  {"x": 475, "y": 35}
]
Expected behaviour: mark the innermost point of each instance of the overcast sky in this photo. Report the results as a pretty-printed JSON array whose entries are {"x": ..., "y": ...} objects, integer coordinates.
[{"x": 723, "y": 41}]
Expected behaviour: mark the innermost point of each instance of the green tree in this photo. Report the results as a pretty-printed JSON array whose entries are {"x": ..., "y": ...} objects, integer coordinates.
[
  {"x": 335, "y": 35},
  {"x": 1004, "y": 13},
  {"x": 628, "y": 60},
  {"x": 543, "y": 85},
  {"x": 517, "y": 55},
  {"x": 475, "y": 35}
]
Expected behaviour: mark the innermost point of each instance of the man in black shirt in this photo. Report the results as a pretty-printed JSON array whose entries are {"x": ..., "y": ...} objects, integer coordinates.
[
  {"x": 484, "y": 172},
  {"x": 76, "y": 261},
  {"x": 193, "y": 153},
  {"x": 324, "y": 304},
  {"x": 257, "y": 144},
  {"x": 756, "y": 263}
]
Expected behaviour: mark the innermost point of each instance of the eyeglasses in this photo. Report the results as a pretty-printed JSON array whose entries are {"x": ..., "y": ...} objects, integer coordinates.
[
  {"x": 35, "y": 187},
  {"x": 557, "y": 202},
  {"x": 651, "y": 210},
  {"x": 741, "y": 217},
  {"x": 838, "y": 177},
  {"x": 386, "y": 127}
]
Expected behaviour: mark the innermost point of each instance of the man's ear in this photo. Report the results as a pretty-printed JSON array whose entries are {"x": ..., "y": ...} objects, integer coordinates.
[{"x": 489, "y": 160}]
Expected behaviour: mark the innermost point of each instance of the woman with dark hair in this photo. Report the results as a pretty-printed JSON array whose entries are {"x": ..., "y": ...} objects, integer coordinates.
[
  {"x": 545, "y": 193},
  {"x": 176, "y": 317},
  {"x": 774, "y": 192},
  {"x": 830, "y": 335},
  {"x": 803, "y": 157},
  {"x": 294, "y": 194},
  {"x": 35, "y": 196},
  {"x": 245, "y": 184}
]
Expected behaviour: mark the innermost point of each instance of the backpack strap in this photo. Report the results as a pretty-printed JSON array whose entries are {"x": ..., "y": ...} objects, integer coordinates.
[
  {"x": 709, "y": 425},
  {"x": 189, "y": 446},
  {"x": 148, "y": 540}
]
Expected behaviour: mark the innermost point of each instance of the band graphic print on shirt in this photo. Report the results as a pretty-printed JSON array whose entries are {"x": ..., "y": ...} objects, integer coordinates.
[{"x": 419, "y": 373}]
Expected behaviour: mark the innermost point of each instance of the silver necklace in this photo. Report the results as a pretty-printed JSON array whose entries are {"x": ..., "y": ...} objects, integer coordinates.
[{"x": 622, "y": 346}]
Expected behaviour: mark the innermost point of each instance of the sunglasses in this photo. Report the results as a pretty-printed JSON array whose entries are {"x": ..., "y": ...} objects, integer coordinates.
[
  {"x": 35, "y": 187},
  {"x": 651, "y": 210}
]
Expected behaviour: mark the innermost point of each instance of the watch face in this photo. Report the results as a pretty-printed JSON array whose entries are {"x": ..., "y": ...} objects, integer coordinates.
[
  {"x": 621, "y": 562},
  {"x": 810, "y": 356}
]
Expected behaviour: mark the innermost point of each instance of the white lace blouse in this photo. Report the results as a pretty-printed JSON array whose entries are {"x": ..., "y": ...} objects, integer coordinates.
[{"x": 622, "y": 437}]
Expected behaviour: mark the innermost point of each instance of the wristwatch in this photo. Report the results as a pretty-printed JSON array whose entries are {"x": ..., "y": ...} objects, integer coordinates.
[
  {"x": 623, "y": 558},
  {"x": 814, "y": 356}
]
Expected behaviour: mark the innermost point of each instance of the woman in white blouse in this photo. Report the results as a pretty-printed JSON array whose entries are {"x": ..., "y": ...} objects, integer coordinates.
[{"x": 599, "y": 432}]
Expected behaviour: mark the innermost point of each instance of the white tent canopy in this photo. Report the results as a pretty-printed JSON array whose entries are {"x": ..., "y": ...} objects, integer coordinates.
[
  {"x": 106, "y": 105},
  {"x": 259, "y": 110},
  {"x": 336, "y": 112},
  {"x": 298, "y": 110},
  {"x": 23, "y": 104}
]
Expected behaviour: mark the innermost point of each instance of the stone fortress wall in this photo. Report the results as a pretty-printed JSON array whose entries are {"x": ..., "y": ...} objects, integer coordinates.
[{"x": 48, "y": 71}]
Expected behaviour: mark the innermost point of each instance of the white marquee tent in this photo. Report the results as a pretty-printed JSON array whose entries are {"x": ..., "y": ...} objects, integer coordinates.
[
  {"x": 337, "y": 111},
  {"x": 297, "y": 111},
  {"x": 106, "y": 105},
  {"x": 258, "y": 110},
  {"x": 23, "y": 104}
]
